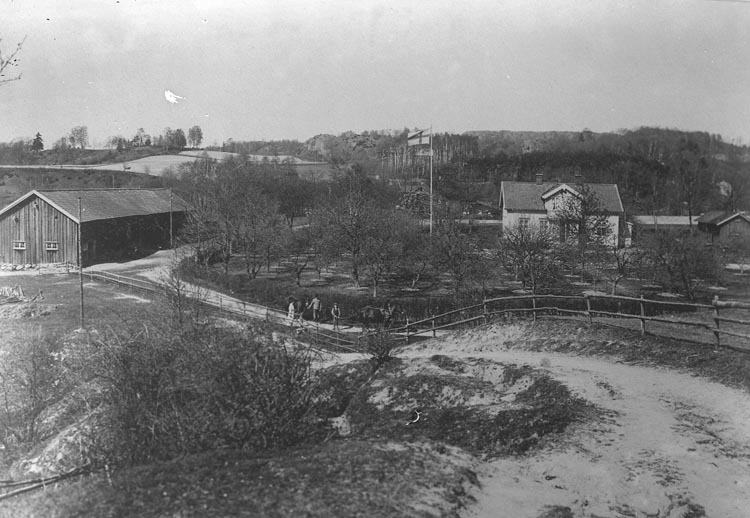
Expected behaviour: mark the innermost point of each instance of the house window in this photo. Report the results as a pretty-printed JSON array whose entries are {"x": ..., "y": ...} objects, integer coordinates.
[
  {"x": 51, "y": 246},
  {"x": 544, "y": 225},
  {"x": 523, "y": 223},
  {"x": 19, "y": 245},
  {"x": 602, "y": 231}
]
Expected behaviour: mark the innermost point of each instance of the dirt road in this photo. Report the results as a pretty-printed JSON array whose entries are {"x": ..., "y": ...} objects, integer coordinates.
[{"x": 671, "y": 444}]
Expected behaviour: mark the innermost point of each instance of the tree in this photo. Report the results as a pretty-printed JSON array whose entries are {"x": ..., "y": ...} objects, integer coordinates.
[
  {"x": 584, "y": 228},
  {"x": 527, "y": 251},
  {"x": 681, "y": 261},
  {"x": 195, "y": 136},
  {"x": 734, "y": 191},
  {"x": 79, "y": 136},
  {"x": 691, "y": 167},
  {"x": 179, "y": 139},
  {"x": 38, "y": 144},
  {"x": 619, "y": 263},
  {"x": 300, "y": 251},
  {"x": 351, "y": 217},
  {"x": 7, "y": 61},
  {"x": 385, "y": 245},
  {"x": 167, "y": 138},
  {"x": 257, "y": 230},
  {"x": 455, "y": 251}
]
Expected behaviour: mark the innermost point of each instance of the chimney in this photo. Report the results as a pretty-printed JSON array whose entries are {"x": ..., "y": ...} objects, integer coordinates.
[{"x": 538, "y": 178}]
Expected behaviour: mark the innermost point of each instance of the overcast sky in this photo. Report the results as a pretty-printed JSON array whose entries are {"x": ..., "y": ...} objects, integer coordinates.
[{"x": 293, "y": 69}]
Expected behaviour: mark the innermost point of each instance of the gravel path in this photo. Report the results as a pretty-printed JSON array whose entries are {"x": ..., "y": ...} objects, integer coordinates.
[{"x": 671, "y": 444}]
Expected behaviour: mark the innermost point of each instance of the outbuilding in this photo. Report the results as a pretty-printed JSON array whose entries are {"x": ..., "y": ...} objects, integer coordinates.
[
  {"x": 116, "y": 224},
  {"x": 726, "y": 226}
]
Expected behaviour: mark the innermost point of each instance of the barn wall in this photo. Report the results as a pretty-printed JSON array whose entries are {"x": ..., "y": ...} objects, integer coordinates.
[
  {"x": 737, "y": 229},
  {"x": 35, "y": 222}
]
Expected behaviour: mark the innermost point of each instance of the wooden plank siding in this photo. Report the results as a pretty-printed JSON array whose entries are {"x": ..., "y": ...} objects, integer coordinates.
[
  {"x": 737, "y": 229},
  {"x": 36, "y": 222}
]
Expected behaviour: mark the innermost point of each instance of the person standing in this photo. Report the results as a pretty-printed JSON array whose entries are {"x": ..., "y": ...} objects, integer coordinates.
[
  {"x": 336, "y": 315},
  {"x": 315, "y": 304},
  {"x": 291, "y": 312}
]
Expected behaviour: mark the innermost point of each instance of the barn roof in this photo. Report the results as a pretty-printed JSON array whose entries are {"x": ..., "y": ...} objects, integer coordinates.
[
  {"x": 528, "y": 196},
  {"x": 721, "y": 217},
  {"x": 668, "y": 221},
  {"x": 98, "y": 204},
  {"x": 712, "y": 217}
]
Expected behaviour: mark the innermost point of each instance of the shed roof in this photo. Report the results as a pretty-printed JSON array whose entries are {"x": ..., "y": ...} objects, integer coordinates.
[
  {"x": 712, "y": 217},
  {"x": 527, "y": 196},
  {"x": 98, "y": 204}
]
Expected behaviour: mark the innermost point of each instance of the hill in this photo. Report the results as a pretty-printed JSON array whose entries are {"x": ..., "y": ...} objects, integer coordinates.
[{"x": 15, "y": 182}]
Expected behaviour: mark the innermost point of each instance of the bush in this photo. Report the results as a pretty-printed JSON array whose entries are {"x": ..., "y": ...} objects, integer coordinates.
[
  {"x": 379, "y": 345},
  {"x": 32, "y": 378},
  {"x": 172, "y": 395}
]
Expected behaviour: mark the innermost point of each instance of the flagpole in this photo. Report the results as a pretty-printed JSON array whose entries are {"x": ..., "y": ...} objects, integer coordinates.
[{"x": 431, "y": 179}]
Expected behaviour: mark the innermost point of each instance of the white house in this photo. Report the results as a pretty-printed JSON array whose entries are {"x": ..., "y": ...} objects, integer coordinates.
[{"x": 537, "y": 203}]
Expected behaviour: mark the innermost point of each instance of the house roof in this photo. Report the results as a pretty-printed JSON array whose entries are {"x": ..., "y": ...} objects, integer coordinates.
[
  {"x": 98, "y": 204},
  {"x": 527, "y": 196}
]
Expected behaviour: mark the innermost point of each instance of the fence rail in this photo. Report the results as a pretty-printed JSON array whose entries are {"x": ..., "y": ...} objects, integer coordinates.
[
  {"x": 551, "y": 304},
  {"x": 485, "y": 312}
]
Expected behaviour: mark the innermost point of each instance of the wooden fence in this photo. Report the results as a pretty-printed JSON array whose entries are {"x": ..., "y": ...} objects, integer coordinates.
[
  {"x": 713, "y": 317},
  {"x": 590, "y": 307}
]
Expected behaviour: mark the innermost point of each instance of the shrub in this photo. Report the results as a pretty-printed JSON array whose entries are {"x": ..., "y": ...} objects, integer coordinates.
[
  {"x": 379, "y": 345},
  {"x": 172, "y": 395},
  {"x": 32, "y": 378}
]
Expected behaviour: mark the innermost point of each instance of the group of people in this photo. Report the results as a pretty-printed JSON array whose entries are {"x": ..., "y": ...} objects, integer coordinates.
[{"x": 296, "y": 309}]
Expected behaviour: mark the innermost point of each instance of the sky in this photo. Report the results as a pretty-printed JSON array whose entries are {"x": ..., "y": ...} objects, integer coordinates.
[{"x": 292, "y": 69}]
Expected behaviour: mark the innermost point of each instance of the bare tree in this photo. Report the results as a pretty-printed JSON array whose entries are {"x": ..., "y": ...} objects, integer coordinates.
[
  {"x": 455, "y": 251},
  {"x": 79, "y": 136},
  {"x": 8, "y": 61},
  {"x": 528, "y": 252},
  {"x": 584, "y": 226},
  {"x": 619, "y": 263},
  {"x": 681, "y": 262}
]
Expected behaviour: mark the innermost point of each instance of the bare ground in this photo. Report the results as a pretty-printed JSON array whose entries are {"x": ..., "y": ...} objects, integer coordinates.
[{"x": 669, "y": 445}]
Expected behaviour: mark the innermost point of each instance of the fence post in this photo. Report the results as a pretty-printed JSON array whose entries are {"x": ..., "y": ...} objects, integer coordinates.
[
  {"x": 716, "y": 320},
  {"x": 221, "y": 305},
  {"x": 588, "y": 307},
  {"x": 643, "y": 314},
  {"x": 407, "y": 329},
  {"x": 533, "y": 307},
  {"x": 243, "y": 308},
  {"x": 433, "y": 326},
  {"x": 484, "y": 311},
  {"x": 267, "y": 315}
]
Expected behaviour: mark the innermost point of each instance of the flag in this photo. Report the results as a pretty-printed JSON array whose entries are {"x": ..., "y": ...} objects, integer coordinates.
[{"x": 419, "y": 137}]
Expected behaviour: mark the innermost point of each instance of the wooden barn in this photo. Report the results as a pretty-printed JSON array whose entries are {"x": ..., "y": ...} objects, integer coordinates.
[
  {"x": 726, "y": 226},
  {"x": 116, "y": 224}
]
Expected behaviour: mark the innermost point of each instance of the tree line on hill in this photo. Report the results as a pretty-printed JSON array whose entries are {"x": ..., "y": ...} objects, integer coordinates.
[{"x": 658, "y": 171}]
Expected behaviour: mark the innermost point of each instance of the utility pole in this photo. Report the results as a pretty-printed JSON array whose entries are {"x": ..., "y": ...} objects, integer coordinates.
[
  {"x": 80, "y": 258},
  {"x": 431, "y": 197},
  {"x": 171, "y": 239}
]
